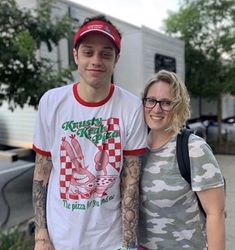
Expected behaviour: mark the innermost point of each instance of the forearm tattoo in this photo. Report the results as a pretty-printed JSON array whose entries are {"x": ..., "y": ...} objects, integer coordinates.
[
  {"x": 42, "y": 171},
  {"x": 39, "y": 202},
  {"x": 130, "y": 200}
]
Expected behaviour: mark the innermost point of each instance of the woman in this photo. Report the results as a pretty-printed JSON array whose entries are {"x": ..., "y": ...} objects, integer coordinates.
[{"x": 169, "y": 214}]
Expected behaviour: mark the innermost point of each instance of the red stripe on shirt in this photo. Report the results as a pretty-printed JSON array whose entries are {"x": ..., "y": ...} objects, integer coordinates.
[
  {"x": 41, "y": 152},
  {"x": 134, "y": 152}
]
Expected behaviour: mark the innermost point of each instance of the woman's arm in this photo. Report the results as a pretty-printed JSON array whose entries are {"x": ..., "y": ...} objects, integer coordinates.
[
  {"x": 130, "y": 200},
  {"x": 43, "y": 166},
  {"x": 213, "y": 202}
]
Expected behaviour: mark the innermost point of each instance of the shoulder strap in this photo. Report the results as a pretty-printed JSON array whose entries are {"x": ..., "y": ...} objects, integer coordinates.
[{"x": 182, "y": 153}]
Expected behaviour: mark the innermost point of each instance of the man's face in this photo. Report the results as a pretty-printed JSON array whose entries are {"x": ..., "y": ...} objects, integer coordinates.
[{"x": 96, "y": 58}]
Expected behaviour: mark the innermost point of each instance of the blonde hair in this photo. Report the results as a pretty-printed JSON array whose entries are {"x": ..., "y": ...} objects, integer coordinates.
[{"x": 181, "y": 110}]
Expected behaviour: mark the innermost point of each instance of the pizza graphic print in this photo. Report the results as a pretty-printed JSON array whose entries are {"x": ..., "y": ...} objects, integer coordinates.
[{"x": 78, "y": 181}]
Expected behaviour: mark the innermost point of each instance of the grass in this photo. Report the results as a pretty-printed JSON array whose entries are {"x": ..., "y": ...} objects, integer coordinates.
[{"x": 14, "y": 239}]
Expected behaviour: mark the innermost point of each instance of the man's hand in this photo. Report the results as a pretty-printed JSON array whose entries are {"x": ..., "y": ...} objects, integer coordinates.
[
  {"x": 43, "y": 244},
  {"x": 42, "y": 240}
]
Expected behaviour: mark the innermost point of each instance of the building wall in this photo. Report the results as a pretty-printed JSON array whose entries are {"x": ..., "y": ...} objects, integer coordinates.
[
  {"x": 135, "y": 65},
  {"x": 154, "y": 42},
  {"x": 129, "y": 70},
  {"x": 16, "y": 128},
  {"x": 28, "y": 4},
  {"x": 228, "y": 106},
  {"x": 210, "y": 107}
]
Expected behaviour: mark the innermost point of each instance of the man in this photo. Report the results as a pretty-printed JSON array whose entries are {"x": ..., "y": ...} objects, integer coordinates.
[{"x": 88, "y": 139}]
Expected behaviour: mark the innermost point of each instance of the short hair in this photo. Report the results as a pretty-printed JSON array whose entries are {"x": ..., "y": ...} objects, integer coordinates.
[{"x": 181, "y": 110}]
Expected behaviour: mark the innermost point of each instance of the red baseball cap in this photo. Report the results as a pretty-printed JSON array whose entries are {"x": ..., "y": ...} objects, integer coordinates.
[{"x": 102, "y": 27}]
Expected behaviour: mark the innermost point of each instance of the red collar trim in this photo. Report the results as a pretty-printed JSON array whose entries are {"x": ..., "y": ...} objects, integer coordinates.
[{"x": 92, "y": 104}]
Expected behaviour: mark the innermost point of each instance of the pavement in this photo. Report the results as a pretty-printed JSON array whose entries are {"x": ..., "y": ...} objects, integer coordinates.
[
  {"x": 227, "y": 165},
  {"x": 18, "y": 177}
]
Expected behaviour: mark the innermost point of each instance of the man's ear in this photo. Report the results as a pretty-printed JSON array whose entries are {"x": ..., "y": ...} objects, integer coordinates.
[
  {"x": 117, "y": 58},
  {"x": 75, "y": 56}
]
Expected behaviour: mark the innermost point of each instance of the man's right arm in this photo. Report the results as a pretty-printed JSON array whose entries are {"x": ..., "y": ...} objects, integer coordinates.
[{"x": 43, "y": 166}]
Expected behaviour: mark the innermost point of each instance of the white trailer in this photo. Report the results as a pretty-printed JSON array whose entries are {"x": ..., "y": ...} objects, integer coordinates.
[{"x": 143, "y": 52}]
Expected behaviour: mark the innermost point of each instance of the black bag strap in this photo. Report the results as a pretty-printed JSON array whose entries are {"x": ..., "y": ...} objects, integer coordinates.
[{"x": 182, "y": 155}]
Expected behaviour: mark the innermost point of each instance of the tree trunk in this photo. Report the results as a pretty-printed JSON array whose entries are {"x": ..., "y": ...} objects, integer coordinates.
[{"x": 219, "y": 117}]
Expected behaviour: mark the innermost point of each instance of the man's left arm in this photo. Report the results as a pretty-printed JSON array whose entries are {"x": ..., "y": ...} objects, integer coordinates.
[{"x": 130, "y": 200}]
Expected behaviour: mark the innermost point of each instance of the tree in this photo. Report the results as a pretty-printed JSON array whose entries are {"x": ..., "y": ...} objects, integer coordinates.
[
  {"x": 24, "y": 76},
  {"x": 208, "y": 29}
]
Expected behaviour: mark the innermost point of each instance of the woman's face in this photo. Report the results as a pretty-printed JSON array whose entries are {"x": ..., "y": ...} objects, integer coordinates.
[{"x": 159, "y": 117}]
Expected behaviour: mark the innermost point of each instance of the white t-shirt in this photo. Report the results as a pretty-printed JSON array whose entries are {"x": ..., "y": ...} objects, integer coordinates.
[{"x": 87, "y": 142}]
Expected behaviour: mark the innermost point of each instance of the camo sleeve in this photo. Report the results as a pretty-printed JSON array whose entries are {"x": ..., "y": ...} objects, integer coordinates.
[{"x": 205, "y": 171}]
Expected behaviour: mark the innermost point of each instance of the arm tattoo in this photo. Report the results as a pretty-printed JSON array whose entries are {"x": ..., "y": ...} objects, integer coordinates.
[
  {"x": 130, "y": 200},
  {"x": 39, "y": 202},
  {"x": 42, "y": 171}
]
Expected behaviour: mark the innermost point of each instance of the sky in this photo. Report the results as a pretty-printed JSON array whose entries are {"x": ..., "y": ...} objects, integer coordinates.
[{"x": 149, "y": 13}]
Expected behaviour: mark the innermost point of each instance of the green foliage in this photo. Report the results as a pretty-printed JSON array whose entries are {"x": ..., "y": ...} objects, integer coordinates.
[
  {"x": 14, "y": 239},
  {"x": 208, "y": 29},
  {"x": 24, "y": 75}
]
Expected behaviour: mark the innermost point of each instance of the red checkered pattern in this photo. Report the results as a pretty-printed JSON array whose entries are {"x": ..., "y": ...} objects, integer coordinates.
[
  {"x": 65, "y": 173},
  {"x": 113, "y": 148},
  {"x": 112, "y": 145},
  {"x": 66, "y": 176}
]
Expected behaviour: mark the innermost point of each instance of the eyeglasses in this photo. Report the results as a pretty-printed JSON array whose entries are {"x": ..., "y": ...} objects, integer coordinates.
[{"x": 165, "y": 105}]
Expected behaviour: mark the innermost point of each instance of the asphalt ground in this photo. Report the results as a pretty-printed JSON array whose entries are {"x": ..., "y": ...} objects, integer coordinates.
[{"x": 227, "y": 165}]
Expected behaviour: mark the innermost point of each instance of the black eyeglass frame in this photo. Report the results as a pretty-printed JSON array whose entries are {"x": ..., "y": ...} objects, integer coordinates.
[{"x": 160, "y": 103}]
